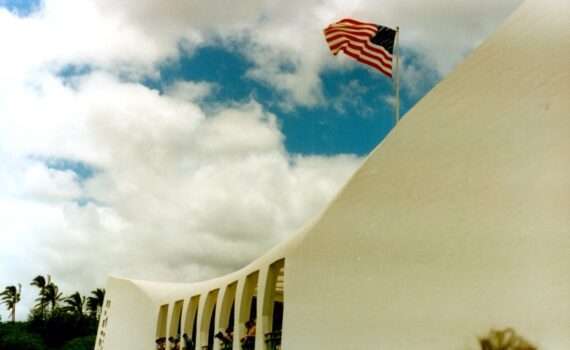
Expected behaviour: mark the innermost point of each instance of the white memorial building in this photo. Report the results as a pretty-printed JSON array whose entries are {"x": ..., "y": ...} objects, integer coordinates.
[{"x": 457, "y": 223}]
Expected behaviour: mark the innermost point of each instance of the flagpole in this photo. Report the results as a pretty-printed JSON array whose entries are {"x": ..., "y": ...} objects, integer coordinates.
[{"x": 397, "y": 74}]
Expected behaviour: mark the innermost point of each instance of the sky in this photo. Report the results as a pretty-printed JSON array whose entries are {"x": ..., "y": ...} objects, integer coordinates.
[{"x": 179, "y": 141}]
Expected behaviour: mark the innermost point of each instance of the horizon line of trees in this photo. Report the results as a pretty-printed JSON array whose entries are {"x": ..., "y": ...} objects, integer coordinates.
[
  {"x": 54, "y": 322},
  {"x": 50, "y": 299}
]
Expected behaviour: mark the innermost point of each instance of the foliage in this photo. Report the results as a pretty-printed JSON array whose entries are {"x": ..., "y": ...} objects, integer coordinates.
[
  {"x": 75, "y": 304},
  {"x": 15, "y": 336},
  {"x": 95, "y": 302},
  {"x": 82, "y": 343},
  {"x": 62, "y": 326},
  {"x": 10, "y": 297},
  {"x": 41, "y": 282},
  {"x": 52, "y": 296},
  {"x": 55, "y": 323},
  {"x": 506, "y": 339}
]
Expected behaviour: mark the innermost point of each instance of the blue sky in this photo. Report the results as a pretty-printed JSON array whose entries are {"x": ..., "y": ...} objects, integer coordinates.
[
  {"x": 128, "y": 128},
  {"x": 20, "y": 7},
  {"x": 354, "y": 118}
]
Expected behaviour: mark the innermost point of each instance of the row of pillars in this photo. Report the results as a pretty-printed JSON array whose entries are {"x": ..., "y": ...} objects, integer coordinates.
[{"x": 200, "y": 309}]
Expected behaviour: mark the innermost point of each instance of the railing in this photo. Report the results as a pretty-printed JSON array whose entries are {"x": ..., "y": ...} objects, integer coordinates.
[{"x": 273, "y": 340}]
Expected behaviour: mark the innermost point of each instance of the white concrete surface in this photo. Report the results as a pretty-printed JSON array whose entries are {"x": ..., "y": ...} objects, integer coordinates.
[{"x": 457, "y": 223}]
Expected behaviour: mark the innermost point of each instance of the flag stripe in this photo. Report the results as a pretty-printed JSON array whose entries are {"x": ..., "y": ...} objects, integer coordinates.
[
  {"x": 372, "y": 64},
  {"x": 353, "y": 21},
  {"x": 365, "y": 42},
  {"x": 341, "y": 46},
  {"x": 370, "y": 30},
  {"x": 370, "y": 45},
  {"x": 350, "y": 37},
  {"x": 334, "y": 41},
  {"x": 359, "y": 26},
  {"x": 334, "y": 30},
  {"x": 370, "y": 58}
]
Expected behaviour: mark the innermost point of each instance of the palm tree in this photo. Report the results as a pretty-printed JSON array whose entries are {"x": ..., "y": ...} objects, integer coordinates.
[
  {"x": 42, "y": 284},
  {"x": 10, "y": 297},
  {"x": 75, "y": 303},
  {"x": 95, "y": 302},
  {"x": 52, "y": 295},
  {"x": 506, "y": 339}
]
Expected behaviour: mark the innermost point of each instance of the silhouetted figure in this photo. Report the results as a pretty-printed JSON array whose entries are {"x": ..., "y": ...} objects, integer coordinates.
[
  {"x": 248, "y": 340},
  {"x": 226, "y": 337},
  {"x": 161, "y": 344},
  {"x": 188, "y": 343},
  {"x": 174, "y": 343}
]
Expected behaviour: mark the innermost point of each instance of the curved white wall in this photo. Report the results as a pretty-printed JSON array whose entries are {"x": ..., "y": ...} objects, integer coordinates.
[{"x": 459, "y": 222}]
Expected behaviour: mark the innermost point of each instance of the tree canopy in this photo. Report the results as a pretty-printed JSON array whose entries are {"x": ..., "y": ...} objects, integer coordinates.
[{"x": 56, "y": 322}]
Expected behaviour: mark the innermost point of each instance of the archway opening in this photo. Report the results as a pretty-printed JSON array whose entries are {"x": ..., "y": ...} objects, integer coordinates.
[
  {"x": 207, "y": 325},
  {"x": 175, "y": 325},
  {"x": 248, "y": 312},
  {"x": 189, "y": 335},
  {"x": 225, "y": 333},
  {"x": 273, "y": 305},
  {"x": 160, "y": 336},
  {"x": 211, "y": 331}
]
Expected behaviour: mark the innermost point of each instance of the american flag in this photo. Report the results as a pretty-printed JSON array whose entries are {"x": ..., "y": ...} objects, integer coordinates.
[{"x": 368, "y": 43}]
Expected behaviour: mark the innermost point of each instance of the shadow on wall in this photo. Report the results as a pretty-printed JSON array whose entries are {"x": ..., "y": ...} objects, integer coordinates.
[{"x": 506, "y": 339}]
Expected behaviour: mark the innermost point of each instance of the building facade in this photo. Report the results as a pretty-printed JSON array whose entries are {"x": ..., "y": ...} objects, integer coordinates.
[{"x": 459, "y": 222}]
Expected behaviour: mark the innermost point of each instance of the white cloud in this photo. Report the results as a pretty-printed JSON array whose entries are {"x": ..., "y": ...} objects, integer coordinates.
[
  {"x": 180, "y": 193},
  {"x": 284, "y": 41},
  {"x": 40, "y": 182},
  {"x": 287, "y": 46},
  {"x": 191, "y": 91}
]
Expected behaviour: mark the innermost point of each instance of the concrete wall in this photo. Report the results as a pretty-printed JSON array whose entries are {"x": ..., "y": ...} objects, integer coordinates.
[{"x": 458, "y": 223}]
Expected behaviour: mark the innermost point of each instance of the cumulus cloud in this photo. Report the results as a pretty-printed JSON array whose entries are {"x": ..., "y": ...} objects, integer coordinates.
[
  {"x": 178, "y": 194},
  {"x": 175, "y": 191},
  {"x": 287, "y": 46},
  {"x": 285, "y": 41},
  {"x": 191, "y": 90}
]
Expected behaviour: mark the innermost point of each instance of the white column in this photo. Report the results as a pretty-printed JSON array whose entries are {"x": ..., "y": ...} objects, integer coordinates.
[
  {"x": 245, "y": 294},
  {"x": 261, "y": 317},
  {"x": 175, "y": 318},
  {"x": 191, "y": 317},
  {"x": 207, "y": 304},
  {"x": 239, "y": 328}
]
